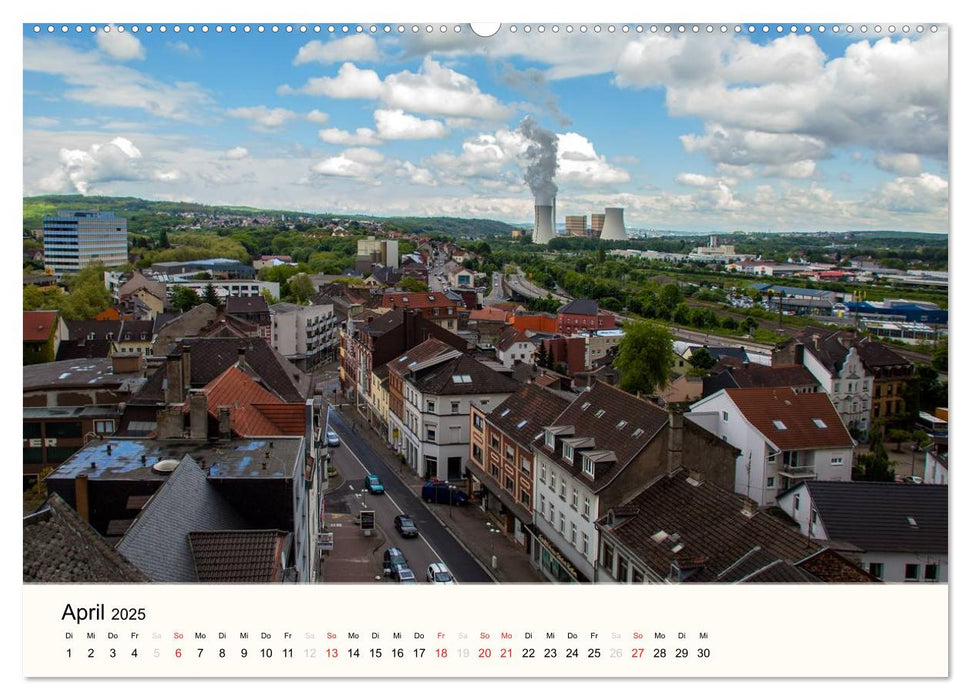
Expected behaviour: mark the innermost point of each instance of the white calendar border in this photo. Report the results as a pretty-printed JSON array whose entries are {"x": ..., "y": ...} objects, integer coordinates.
[{"x": 828, "y": 11}]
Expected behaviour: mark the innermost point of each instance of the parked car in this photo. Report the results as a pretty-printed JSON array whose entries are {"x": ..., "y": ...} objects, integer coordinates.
[
  {"x": 913, "y": 480},
  {"x": 438, "y": 573},
  {"x": 332, "y": 439},
  {"x": 403, "y": 574},
  {"x": 443, "y": 492},
  {"x": 393, "y": 558},
  {"x": 405, "y": 526},
  {"x": 373, "y": 484}
]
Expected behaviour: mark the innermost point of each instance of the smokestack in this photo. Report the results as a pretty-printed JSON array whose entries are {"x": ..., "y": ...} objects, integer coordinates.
[
  {"x": 675, "y": 441},
  {"x": 543, "y": 225},
  {"x": 613, "y": 229}
]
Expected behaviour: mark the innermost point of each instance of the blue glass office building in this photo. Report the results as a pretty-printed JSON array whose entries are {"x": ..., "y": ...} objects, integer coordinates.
[{"x": 78, "y": 239}]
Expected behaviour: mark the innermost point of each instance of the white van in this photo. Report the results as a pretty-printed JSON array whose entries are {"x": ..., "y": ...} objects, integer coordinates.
[{"x": 439, "y": 573}]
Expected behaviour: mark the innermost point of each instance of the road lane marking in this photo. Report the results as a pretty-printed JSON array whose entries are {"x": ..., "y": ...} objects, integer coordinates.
[{"x": 400, "y": 511}]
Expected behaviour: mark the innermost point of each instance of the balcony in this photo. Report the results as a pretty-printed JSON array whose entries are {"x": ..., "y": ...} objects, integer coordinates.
[{"x": 798, "y": 472}]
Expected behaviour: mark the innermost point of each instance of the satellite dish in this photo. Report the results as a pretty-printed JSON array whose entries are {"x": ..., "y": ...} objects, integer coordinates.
[{"x": 165, "y": 466}]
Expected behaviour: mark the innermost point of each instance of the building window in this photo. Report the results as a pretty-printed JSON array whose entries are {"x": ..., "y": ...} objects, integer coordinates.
[
  {"x": 586, "y": 507},
  {"x": 542, "y": 473},
  {"x": 573, "y": 534},
  {"x": 911, "y": 572},
  {"x": 510, "y": 485},
  {"x": 770, "y": 482},
  {"x": 568, "y": 452},
  {"x": 542, "y": 505},
  {"x": 563, "y": 490},
  {"x": 636, "y": 576},
  {"x": 524, "y": 496},
  {"x": 588, "y": 466},
  {"x": 930, "y": 572},
  {"x": 550, "y": 440},
  {"x": 495, "y": 442},
  {"x": 430, "y": 434},
  {"x": 795, "y": 502},
  {"x": 586, "y": 543},
  {"x": 575, "y": 500},
  {"x": 836, "y": 461},
  {"x": 510, "y": 453},
  {"x": 876, "y": 569},
  {"x": 814, "y": 517},
  {"x": 104, "y": 427},
  {"x": 607, "y": 561},
  {"x": 553, "y": 482},
  {"x": 622, "y": 568},
  {"x": 455, "y": 407},
  {"x": 562, "y": 523},
  {"x": 430, "y": 406},
  {"x": 477, "y": 421},
  {"x": 477, "y": 453},
  {"x": 771, "y": 459},
  {"x": 725, "y": 416},
  {"x": 524, "y": 466}
]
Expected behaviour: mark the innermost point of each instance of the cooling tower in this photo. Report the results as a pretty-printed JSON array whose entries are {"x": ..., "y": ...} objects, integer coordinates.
[
  {"x": 613, "y": 229},
  {"x": 543, "y": 225}
]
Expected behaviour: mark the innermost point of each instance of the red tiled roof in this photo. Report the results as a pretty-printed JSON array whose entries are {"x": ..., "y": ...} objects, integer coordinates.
[
  {"x": 38, "y": 325},
  {"x": 417, "y": 300},
  {"x": 236, "y": 389},
  {"x": 289, "y": 418},
  {"x": 489, "y": 313},
  {"x": 761, "y": 407}
]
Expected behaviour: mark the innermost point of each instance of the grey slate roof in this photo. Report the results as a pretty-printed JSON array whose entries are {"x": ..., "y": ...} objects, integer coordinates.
[
  {"x": 158, "y": 541},
  {"x": 874, "y": 515},
  {"x": 582, "y": 307},
  {"x": 59, "y": 547},
  {"x": 437, "y": 379}
]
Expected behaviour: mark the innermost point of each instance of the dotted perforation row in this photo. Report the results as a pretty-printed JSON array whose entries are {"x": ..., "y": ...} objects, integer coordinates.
[{"x": 512, "y": 28}]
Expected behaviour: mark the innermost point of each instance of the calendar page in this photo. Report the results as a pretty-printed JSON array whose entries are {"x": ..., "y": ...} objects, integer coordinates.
[{"x": 624, "y": 342}]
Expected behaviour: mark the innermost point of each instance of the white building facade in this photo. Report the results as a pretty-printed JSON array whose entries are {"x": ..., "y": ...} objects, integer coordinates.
[{"x": 305, "y": 335}]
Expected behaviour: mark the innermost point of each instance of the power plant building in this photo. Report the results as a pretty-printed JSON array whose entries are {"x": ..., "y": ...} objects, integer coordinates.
[
  {"x": 596, "y": 224},
  {"x": 77, "y": 239},
  {"x": 371, "y": 251},
  {"x": 543, "y": 229},
  {"x": 576, "y": 225},
  {"x": 613, "y": 225}
]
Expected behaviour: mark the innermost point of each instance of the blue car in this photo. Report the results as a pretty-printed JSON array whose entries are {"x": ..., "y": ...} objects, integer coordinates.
[{"x": 373, "y": 484}]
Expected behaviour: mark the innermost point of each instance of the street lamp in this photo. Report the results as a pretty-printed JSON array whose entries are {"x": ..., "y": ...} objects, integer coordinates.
[{"x": 495, "y": 531}]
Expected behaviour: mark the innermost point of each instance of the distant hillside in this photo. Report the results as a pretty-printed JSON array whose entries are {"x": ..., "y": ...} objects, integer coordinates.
[{"x": 143, "y": 215}]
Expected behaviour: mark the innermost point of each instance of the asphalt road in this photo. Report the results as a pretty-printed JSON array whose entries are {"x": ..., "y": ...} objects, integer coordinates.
[{"x": 355, "y": 459}]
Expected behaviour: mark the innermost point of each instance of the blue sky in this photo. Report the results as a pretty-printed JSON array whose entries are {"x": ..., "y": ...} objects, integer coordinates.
[{"x": 769, "y": 131}]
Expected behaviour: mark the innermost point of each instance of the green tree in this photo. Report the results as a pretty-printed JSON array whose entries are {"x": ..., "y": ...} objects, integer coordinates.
[
  {"x": 702, "y": 359},
  {"x": 875, "y": 465},
  {"x": 410, "y": 284},
  {"x": 645, "y": 357},
  {"x": 87, "y": 295},
  {"x": 270, "y": 299},
  {"x": 939, "y": 359},
  {"x": 542, "y": 356},
  {"x": 184, "y": 298},
  {"x": 163, "y": 240},
  {"x": 670, "y": 296},
  {"x": 210, "y": 296},
  {"x": 301, "y": 288}
]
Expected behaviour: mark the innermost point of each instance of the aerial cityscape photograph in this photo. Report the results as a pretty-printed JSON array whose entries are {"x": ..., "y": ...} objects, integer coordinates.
[{"x": 402, "y": 304}]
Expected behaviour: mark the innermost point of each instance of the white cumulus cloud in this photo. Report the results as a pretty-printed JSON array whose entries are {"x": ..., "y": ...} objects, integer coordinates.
[
  {"x": 263, "y": 118},
  {"x": 359, "y": 47},
  {"x": 899, "y": 163},
  {"x": 578, "y": 162},
  {"x": 120, "y": 45},
  {"x": 394, "y": 124},
  {"x": 350, "y": 82},
  {"x": 362, "y": 136},
  {"x": 317, "y": 117},
  {"x": 237, "y": 153},
  {"x": 82, "y": 170}
]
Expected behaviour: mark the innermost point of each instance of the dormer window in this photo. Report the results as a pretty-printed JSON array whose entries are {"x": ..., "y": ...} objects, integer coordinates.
[
  {"x": 588, "y": 467},
  {"x": 568, "y": 452},
  {"x": 550, "y": 440}
]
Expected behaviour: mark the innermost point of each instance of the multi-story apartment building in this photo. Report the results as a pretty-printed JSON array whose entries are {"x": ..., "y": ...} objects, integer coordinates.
[
  {"x": 501, "y": 456},
  {"x": 513, "y": 346},
  {"x": 784, "y": 438},
  {"x": 603, "y": 449},
  {"x": 77, "y": 239},
  {"x": 432, "y": 388},
  {"x": 582, "y": 315},
  {"x": 866, "y": 379},
  {"x": 436, "y": 307},
  {"x": 305, "y": 335}
]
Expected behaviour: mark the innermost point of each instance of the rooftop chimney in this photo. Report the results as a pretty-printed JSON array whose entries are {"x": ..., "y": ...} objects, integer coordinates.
[
  {"x": 174, "y": 391},
  {"x": 241, "y": 355},
  {"x": 81, "y": 496},
  {"x": 198, "y": 416},
  {"x": 675, "y": 441},
  {"x": 225, "y": 423},
  {"x": 186, "y": 368},
  {"x": 749, "y": 508}
]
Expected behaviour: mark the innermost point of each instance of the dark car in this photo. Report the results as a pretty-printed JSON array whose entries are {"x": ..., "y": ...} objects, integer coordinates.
[
  {"x": 405, "y": 526},
  {"x": 402, "y": 574},
  {"x": 443, "y": 492},
  {"x": 373, "y": 484},
  {"x": 393, "y": 558}
]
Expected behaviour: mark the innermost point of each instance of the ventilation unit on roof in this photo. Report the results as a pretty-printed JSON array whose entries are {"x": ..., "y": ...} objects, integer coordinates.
[{"x": 165, "y": 466}]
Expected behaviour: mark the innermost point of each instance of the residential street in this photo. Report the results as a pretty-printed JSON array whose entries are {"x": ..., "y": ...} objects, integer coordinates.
[{"x": 355, "y": 459}]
